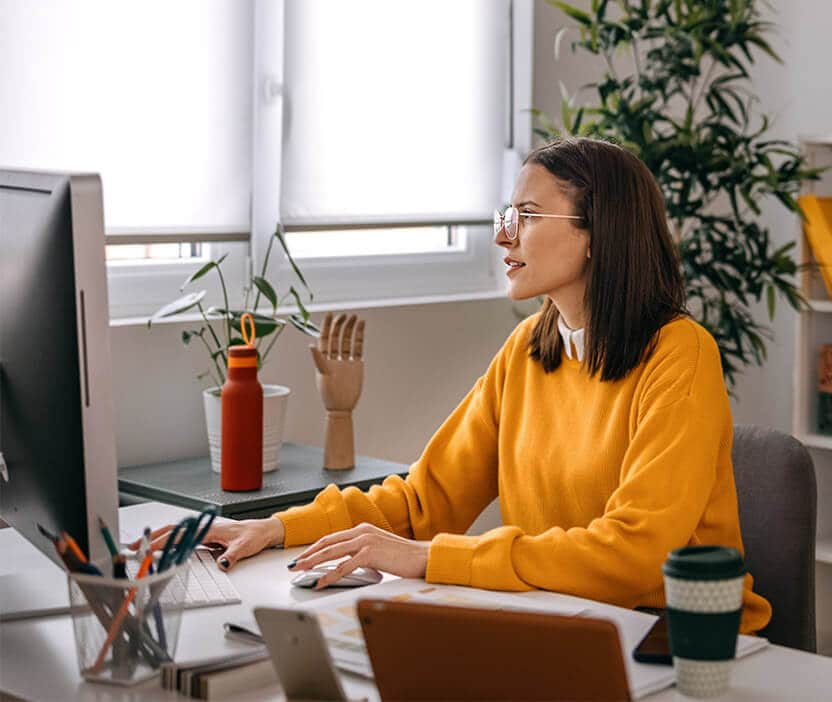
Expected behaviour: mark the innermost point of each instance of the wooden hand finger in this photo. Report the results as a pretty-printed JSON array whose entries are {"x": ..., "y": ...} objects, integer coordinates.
[
  {"x": 320, "y": 360},
  {"x": 358, "y": 345},
  {"x": 346, "y": 337},
  {"x": 335, "y": 335},
  {"x": 323, "y": 340}
]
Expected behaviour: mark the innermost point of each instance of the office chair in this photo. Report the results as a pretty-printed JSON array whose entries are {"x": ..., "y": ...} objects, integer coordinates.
[{"x": 777, "y": 497}]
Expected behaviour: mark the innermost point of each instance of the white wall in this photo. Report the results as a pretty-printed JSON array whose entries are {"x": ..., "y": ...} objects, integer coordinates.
[{"x": 420, "y": 361}]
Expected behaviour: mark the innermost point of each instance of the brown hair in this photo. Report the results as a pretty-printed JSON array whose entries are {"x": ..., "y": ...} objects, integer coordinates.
[{"x": 634, "y": 277}]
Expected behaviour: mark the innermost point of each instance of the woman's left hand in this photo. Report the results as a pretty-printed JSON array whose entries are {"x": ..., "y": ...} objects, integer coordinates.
[{"x": 367, "y": 547}]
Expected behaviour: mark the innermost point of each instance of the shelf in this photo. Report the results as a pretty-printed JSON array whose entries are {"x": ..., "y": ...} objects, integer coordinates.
[
  {"x": 815, "y": 139},
  {"x": 820, "y": 441},
  {"x": 823, "y": 550},
  {"x": 820, "y": 305}
]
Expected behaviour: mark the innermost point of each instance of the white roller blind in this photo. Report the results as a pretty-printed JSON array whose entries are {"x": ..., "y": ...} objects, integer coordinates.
[
  {"x": 154, "y": 95},
  {"x": 395, "y": 110}
]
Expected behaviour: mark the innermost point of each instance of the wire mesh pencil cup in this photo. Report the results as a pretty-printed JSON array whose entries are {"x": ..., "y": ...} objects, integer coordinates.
[{"x": 126, "y": 629}]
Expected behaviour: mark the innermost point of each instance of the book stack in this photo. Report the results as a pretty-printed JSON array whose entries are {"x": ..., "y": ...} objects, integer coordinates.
[{"x": 220, "y": 677}]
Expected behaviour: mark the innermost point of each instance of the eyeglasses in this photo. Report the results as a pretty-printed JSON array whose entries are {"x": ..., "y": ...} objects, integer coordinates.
[{"x": 510, "y": 220}]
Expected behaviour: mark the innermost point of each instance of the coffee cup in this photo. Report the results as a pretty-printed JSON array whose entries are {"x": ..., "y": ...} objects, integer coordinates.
[{"x": 703, "y": 590}]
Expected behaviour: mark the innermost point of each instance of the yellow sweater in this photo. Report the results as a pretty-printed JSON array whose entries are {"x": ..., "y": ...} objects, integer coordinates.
[{"x": 597, "y": 481}]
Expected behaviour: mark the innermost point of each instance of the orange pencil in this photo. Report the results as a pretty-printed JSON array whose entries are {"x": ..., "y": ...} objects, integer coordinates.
[
  {"x": 121, "y": 614},
  {"x": 76, "y": 549}
]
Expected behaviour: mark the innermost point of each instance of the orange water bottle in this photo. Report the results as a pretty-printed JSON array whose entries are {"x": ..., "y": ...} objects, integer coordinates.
[{"x": 242, "y": 417}]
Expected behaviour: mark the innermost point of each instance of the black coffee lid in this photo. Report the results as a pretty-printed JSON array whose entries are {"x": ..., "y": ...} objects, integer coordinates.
[{"x": 704, "y": 563}]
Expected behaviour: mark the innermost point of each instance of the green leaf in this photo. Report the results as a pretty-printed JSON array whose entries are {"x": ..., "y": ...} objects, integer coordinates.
[
  {"x": 558, "y": 38},
  {"x": 299, "y": 303},
  {"x": 183, "y": 304},
  {"x": 573, "y": 12},
  {"x": 265, "y": 287},
  {"x": 772, "y": 300},
  {"x": 202, "y": 271},
  {"x": 305, "y": 326},
  {"x": 278, "y": 232}
]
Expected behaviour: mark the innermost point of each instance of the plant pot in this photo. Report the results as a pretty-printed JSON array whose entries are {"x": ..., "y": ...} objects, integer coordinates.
[{"x": 275, "y": 400}]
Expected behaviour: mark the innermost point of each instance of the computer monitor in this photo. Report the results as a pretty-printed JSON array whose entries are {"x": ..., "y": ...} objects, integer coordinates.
[{"x": 57, "y": 445}]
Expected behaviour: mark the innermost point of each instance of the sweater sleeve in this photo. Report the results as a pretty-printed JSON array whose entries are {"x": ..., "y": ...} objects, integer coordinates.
[
  {"x": 666, "y": 478},
  {"x": 445, "y": 490}
]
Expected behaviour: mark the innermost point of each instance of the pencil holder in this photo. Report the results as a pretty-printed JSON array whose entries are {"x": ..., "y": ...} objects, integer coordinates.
[{"x": 125, "y": 629}]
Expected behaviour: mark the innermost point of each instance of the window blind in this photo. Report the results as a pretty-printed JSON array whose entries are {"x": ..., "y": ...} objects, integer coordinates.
[
  {"x": 395, "y": 112},
  {"x": 155, "y": 96}
]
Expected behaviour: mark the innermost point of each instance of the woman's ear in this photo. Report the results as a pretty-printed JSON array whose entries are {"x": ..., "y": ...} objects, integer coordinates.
[{"x": 588, "y": 253}]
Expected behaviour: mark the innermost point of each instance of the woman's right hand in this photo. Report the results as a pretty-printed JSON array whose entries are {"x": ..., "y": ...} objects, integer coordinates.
[{"x": 241, "y": 539}]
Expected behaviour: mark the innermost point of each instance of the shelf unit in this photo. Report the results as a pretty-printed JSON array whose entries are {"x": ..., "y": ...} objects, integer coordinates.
[{"x": 813, "y": 329}]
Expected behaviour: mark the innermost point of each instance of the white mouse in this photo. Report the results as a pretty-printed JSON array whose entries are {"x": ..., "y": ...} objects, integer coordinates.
[{"x": 359, "y": 577}]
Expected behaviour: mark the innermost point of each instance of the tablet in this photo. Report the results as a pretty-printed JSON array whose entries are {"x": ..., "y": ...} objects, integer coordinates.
[{"x": 425, "y": 651}]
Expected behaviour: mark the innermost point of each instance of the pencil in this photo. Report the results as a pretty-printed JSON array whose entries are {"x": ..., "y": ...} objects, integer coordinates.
[
  {"x": 122, "y": 612},
  {"x": 108, "y": 537},
  {"x": 76, "y": 549}
]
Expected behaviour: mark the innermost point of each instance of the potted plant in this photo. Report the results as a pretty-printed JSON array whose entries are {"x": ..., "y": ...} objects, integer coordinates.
[
  {"x": 674, "y": 88},
  {"x": 216, "y": 341}
]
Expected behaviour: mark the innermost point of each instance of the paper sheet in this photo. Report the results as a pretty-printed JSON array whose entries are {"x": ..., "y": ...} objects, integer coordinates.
[{"x": 342, "y": 630}]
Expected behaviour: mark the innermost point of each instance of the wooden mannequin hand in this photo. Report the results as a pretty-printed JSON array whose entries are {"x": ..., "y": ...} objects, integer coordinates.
[
  {"x": 339, "y": 376},
  {"x": 340, "y": 368}
]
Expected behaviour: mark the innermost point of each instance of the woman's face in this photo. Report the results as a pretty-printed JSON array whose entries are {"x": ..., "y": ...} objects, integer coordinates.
[{"x": 553, "y": 252}]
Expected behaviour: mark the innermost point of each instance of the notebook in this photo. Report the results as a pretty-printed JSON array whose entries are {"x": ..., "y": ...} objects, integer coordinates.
[{"x": 437, "y": 652}]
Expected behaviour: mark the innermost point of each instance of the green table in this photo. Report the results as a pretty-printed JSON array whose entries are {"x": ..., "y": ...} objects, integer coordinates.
[{"x": 191, "y": 483}]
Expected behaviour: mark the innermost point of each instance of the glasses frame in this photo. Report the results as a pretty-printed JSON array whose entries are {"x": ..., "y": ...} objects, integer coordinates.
[{"x": 509, "y": 221}]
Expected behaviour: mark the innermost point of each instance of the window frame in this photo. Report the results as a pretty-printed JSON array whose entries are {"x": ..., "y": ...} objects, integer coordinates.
[{"x": 430, "y": 275}]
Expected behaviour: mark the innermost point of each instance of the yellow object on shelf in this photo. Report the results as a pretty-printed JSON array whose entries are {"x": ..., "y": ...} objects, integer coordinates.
[{"x": 818, "y": 229}]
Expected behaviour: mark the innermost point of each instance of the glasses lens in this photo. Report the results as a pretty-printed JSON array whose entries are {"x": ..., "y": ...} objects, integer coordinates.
[
  {"x": 498, "y": 223},
  {"x": 512, "y": 217}
]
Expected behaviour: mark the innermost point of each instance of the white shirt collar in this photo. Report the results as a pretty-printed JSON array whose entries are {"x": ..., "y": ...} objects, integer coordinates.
[{"x": 571, "y": 337}]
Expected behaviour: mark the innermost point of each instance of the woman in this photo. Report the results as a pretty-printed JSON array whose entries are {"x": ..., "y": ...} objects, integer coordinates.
[{"x": 603, "y": 423}]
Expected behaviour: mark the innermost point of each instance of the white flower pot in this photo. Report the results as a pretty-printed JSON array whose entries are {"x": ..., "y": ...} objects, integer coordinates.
[{"x": 275, "y": 400}]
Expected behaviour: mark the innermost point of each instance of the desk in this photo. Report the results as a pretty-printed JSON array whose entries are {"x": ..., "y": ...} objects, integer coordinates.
[
  {"x": 192, "y": 484},
  {"x": 37, "y": 657}
]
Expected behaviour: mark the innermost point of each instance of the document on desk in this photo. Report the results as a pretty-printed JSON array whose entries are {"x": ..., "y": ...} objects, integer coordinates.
[
  {"x": 647, "y": 678},
  {"x": 342, "y": 630}
]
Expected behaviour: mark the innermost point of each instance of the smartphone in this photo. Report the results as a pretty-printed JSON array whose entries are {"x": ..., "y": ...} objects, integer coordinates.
[
  {"x": 655, "y": 646},
  {"x": 300, "y": 655}
]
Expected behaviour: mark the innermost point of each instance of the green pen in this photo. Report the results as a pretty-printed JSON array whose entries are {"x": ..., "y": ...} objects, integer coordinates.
[{"x": 108, "y": 538}]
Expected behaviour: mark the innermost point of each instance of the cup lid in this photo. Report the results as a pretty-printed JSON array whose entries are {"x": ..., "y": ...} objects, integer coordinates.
[{"x": 704, "y": 563}]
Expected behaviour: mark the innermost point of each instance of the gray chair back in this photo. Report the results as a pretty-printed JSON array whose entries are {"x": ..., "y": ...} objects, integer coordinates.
[{"x": 777, "y": 497}]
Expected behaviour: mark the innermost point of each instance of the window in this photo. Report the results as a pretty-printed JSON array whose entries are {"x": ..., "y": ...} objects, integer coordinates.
[
  {"x": 154, "y": 96},
  {"x": 375, "y": 130},
  {"x": 388, "y": 140}
]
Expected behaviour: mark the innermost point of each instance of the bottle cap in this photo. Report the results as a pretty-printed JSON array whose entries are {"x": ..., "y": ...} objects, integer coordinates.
[{"x": 704, "y": 563}]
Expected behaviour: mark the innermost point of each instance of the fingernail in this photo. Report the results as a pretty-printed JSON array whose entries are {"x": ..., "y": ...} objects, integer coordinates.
[
  {"x": 224, "y": 562},
  {"x": 292, "y": 564}
]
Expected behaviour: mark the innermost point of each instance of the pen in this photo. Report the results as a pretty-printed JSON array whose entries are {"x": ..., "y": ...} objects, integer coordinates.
[
  {"x": 108, "y": 537},
  {"x": 157, "y": 609},
  {"x": 118, "y": 619}
]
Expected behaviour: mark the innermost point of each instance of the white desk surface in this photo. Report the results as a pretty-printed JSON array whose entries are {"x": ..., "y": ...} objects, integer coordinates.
[{"x": 38, "y": 661}]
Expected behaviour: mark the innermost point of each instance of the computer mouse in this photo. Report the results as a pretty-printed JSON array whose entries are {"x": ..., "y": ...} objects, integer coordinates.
[{"x": 359, "y": 577}]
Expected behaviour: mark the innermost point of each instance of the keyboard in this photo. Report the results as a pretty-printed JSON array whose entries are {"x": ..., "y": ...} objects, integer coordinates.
[{"x": 208, "y": 586}]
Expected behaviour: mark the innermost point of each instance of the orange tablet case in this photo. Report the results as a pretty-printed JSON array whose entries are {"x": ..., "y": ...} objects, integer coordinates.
[{"x": 434, "y": 652}]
